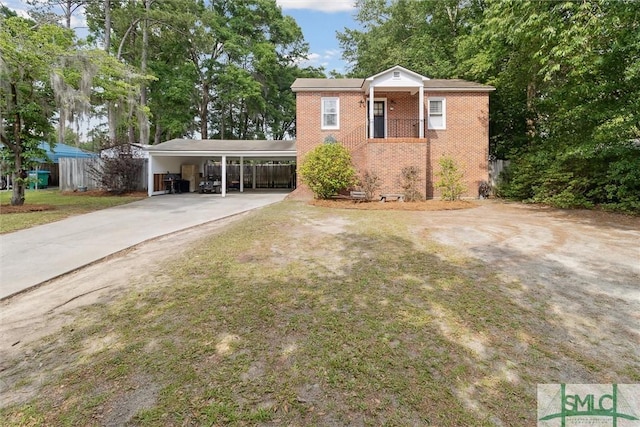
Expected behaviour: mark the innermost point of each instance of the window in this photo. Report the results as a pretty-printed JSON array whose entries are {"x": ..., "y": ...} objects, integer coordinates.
[
  {"x": 396, "y": 75},
  {"x": 330, "y": 113},
  {"x": 437, "y": 113}
]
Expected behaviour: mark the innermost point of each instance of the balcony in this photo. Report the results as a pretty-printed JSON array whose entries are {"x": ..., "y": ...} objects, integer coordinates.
[{"x": 384, "y": 128}]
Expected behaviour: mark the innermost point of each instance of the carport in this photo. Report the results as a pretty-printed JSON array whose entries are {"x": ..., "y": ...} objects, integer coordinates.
[{"x": 190, "y": 156}]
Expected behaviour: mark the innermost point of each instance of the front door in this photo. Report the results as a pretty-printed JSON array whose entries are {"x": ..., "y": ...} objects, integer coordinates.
[{"x": 378, "y": 119}]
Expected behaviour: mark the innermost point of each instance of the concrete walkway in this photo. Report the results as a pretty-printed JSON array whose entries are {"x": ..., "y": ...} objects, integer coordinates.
[{"x": 30, "y": 257}]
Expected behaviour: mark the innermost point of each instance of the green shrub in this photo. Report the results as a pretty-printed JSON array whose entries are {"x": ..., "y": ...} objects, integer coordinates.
[
  {"x": 603, "y": 175},
  {"x": 450, "y": 183},
  {"x": 327, "y": 170}
]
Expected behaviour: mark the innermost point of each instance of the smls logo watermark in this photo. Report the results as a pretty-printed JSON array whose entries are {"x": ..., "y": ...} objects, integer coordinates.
[{"x": 577, "y": 405}]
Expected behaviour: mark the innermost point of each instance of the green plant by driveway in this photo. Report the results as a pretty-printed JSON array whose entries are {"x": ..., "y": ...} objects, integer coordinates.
[
  {"x": 450, "y": 179},
  {"x": 327, "y": 170}
]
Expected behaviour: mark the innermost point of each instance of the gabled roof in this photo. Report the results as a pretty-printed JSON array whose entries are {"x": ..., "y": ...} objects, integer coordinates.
[
  {"x": 361, "y": 85},
  {"x": 398, "y": 68}
]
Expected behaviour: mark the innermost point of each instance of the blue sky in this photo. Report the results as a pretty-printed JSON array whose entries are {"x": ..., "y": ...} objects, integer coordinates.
[{"x": 319, "y": 20}]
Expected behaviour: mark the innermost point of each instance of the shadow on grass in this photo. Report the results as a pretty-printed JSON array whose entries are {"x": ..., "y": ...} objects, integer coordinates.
[{"x": 257, "y": 328}]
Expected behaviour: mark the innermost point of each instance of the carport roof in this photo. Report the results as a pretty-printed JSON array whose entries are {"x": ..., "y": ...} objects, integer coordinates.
[{"x": 225, "y": 147}]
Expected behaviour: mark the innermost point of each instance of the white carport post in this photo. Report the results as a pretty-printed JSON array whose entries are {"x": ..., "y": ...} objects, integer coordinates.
[
  {"x": 371, "y": 111},
  {"x": 241, "y": 174},
  {"x": 224, "y": 176},
  {"x": 150, "y": 176}
]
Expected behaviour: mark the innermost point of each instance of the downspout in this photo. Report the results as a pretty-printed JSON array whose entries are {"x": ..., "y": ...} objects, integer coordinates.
[{"x": 421, "y": 110}]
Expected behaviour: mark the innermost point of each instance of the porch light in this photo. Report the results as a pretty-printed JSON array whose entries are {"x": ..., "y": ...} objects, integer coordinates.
[{"x": 361, "y": 102}]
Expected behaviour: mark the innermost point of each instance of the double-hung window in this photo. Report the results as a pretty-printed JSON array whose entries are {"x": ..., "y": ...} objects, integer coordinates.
[
  {"x": 437, "y": 113},
  {"x": 330, "y": 113}
]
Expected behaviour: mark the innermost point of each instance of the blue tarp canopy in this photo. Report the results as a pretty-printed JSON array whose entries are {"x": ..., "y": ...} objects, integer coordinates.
[{"x": 63, "y": 150}]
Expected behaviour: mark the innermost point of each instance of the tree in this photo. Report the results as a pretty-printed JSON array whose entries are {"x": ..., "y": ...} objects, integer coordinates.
[
  {"x": 44, "y": 69},
  {"x": 45, "y": 9},
  {"x": 223, "y": 69},
  {"x": 327, "y": 170},
  {"x": 420, "y": 35},
  {"x": 29, "y": 56},
  {"x": 568, "y": 91}
]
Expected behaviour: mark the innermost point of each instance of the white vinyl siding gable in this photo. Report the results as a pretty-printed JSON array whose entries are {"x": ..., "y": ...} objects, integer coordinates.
[
  {"x": 330, "y": 111},
  {"x": 437, "y": 113}
]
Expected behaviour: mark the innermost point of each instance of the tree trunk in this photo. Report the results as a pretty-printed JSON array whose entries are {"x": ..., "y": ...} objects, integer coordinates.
[
  {"x": 17, "y": 196},
  {"x": 107, "y": 25},
  {"x": 158, "y": 133},
  {"x": 111, "y": 113},
  {"x": 143, "y": 122},
  {"x": 68, "y": 12},
  {"x": 204, "y": 112},
  {"x": 19, "y": 184}
]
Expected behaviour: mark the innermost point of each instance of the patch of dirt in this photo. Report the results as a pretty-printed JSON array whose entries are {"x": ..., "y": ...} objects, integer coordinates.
[
  {"x": 8, "y": 209},
  {"x": 426, "y": 205}
]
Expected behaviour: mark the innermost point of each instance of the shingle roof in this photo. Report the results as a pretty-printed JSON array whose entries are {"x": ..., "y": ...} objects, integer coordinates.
[
  {"x": 350, "y": 85},
  {"x": 341, "y": 85},
  {"x": 226, "y": 146}
]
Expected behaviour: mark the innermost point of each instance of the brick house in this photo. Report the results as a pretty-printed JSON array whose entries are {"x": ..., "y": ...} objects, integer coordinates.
[{"x": 398, "y": 118}]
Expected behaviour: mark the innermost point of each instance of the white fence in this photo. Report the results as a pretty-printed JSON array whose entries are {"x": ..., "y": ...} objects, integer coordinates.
[{"x": 74, "y": 174}]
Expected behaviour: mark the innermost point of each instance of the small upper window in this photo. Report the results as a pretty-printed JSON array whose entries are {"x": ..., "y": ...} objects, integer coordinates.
[
  {"x": 437, "y": 113},
  {"x": 330, "y": 113},
  {"x": 396, "y": 75}
]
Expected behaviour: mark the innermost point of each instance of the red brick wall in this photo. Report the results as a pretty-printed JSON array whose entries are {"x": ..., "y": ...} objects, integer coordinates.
[
  {"x": 387, "y": 159},
  {"x": 465, "y": 138}
]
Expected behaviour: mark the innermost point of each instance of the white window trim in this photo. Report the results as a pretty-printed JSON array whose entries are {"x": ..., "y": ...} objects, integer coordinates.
[
  {"x": 444, "y": 113},
  {"x": 322, "y": 113}
]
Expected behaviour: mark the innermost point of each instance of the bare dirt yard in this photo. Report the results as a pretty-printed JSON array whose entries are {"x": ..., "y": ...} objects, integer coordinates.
[{"x": 559, "y": 302}]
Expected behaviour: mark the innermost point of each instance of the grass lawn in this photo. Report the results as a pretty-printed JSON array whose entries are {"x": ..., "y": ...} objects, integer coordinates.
[
  {"x": 44, "y": 206},
  {"x": 302, "y": 315}
]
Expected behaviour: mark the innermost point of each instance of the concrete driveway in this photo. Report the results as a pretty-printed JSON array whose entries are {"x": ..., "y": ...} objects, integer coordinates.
[{"x": 36, "y": 255}]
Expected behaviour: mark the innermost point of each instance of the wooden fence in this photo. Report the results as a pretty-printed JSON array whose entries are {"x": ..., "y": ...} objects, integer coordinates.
[
  {"x": 74, "y": 174},
  {"x": 495, "y": 169},
  {"x": 267, "y": 175}
]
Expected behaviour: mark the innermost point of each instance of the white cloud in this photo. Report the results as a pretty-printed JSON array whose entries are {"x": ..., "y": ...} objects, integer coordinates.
[
  {"x": 319, "y": 5},
  {"x": 331, "y": 53},
  {"x": 313, "y": 60}
]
